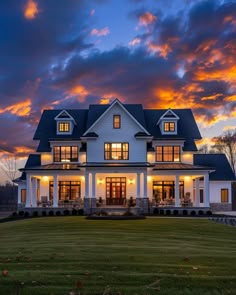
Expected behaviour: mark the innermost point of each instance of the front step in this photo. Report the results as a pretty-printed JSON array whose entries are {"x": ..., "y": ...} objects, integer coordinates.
[{"x": 116, "y": 210}]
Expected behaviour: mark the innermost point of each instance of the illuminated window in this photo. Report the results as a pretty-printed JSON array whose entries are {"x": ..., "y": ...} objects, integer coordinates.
[
  {"x": 116, "y": 122},
  {"x": 168, "y": 154},
  {"x": 65, "y": 153},
  {"x": 224, "y": 195},
  {"x": 116, "y": 151},
  {"x": 169, "y": 126},
  {"x": 64, "y": 126},
  {"x": 23, "y": 196}
]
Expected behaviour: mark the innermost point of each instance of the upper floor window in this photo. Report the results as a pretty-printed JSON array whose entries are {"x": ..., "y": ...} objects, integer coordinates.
[
  {"x": 169, "y": 126},
  {"x": 168, "y": 154},
  {"x": 116, "y": 122},
  {"x": 224, "y": 195},
  {"x": 65, "y": 154},
  {"x": 116, "y": 151},
  {"x": 63, "y": 126}
]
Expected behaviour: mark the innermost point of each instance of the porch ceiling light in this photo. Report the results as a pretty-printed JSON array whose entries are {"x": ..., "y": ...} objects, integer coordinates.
[{"x": 45, "y": 178}]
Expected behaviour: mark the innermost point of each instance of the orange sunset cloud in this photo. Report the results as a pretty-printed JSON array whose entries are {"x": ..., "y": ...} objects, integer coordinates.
[{"x": 31, "y": 10}]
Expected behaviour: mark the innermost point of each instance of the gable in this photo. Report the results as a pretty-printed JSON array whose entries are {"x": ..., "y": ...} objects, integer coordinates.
[{"x": 115, "y": 108}]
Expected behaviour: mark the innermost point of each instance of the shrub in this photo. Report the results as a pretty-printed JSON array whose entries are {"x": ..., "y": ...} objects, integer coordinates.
[
  {"x": 35, "y": 213},
  {"x": 128, "y": 213},
  {"x": 168, "y": 212},
  {"x": 81, "y": 212},
  {"x": 14, "y": 213},
  {"x": 193, "y": 213},
  {"x": 155, "y": 211},
  {"x": 185, "y": 212},
  {"x": 58, "y": 213},
  {"x": 44, "y": 213},
  {"x": 162, "y": 212},
  {"x": 209, "y": 213},
  {"x": 66, "y": 212},
  {"x": 200, "y": 212},
  {"x": 176, "y": 212},
  {"x": 21, "y": 213},
  {"x": 50, "y": 213},
  {"x": 74, "y": 212},
  {"x": 26, "y": 214}
]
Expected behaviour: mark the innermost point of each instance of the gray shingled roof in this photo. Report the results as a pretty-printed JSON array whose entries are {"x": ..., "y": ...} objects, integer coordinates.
[
  {"x": 32, "y": 161},
  {"x": 187, "y": 127},
  {"x": 223, "y": 171}
]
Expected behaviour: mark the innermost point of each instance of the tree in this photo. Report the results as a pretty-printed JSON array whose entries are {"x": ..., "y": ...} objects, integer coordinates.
[
  {"x": 8, "y": 165},
  {"x": 226, "y": 144}
]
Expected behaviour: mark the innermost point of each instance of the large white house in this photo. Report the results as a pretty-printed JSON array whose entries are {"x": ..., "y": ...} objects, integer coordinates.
[{"x": 107, "y": 155}]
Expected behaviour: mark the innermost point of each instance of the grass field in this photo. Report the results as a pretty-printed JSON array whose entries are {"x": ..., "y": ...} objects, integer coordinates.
[{"x": 71, "y": 255}]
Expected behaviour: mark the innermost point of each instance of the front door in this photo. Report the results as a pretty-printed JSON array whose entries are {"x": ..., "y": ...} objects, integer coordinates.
[{"x": 115, "y": 190}]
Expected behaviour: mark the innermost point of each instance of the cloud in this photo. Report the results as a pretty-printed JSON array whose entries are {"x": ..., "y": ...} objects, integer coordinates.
[
  {"x": 20, "y": 109},
  {"x": 102, "y": 32},
  {"x": 146, "y": 19},
  {"x": 134, "y": 42},
  {"x": 31, "y": 10}
]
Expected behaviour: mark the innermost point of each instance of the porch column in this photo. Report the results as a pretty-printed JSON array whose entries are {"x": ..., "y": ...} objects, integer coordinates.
[
  {"x": 55, "y": 191},
  {"x": 28, "y": 191},
  {"x": 93, "y": 199},
  {"x": 138, "y": 185},
  {"x": 145, "y": 185},
  {"x": 176, "y": 190},
  {"x": 86, "y": 194},
  {"x": 206, "y": 187},
  {"x": 34, "y": 192},
  {"x": 197, "y": 192}
]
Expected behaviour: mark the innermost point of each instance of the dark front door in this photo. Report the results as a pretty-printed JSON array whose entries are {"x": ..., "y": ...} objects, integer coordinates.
[{"x": 115, "y": 190}]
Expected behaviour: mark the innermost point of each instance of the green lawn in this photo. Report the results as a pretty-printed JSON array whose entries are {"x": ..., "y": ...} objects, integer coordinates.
[{"x": 55, "y": 255}]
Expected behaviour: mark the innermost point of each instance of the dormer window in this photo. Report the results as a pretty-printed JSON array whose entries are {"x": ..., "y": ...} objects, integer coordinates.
[
  {"x": 168, "y": 123},
  {"x": 65, "y": 123},
  {"x": 64, "y": 126},
  {"x": 169, "y": 126},
  {"x": 116, "y": 122}
]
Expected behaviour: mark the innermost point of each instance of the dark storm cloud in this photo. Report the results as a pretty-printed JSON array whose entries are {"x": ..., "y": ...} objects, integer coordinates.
[{"x": 185, "y": 60}]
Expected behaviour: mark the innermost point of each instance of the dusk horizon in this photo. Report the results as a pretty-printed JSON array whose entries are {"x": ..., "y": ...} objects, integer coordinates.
[{"x": 70, "y": 54}]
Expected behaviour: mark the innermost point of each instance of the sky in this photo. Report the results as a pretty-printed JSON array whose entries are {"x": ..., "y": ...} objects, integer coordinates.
[{"x": 57, "y": 54}]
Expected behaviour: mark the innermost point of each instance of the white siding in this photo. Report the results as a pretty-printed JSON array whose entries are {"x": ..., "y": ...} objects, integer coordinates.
[
  {"x": 106, "y": 133},
  {"x": 215, "y": 190}
]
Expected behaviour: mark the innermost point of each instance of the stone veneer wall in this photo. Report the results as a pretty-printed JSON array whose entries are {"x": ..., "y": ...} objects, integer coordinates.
[{"x": 221, "y": 206}]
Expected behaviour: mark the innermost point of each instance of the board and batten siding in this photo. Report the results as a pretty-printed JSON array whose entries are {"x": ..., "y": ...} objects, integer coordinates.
[{"x": 106, "y": 133}]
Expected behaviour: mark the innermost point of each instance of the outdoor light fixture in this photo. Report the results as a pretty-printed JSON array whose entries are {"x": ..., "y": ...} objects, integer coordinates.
[
  {"x": 100, "y": 181},
  {"x": 130, "y": 181},
  {"x": 45, "y": 178}
]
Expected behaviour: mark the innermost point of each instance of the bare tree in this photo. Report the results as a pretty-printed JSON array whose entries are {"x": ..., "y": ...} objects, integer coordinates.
[
  {"x": 8, "y": 165},
  {"x": 203, "y": 149},
  {"x": 226, "y": 143}
]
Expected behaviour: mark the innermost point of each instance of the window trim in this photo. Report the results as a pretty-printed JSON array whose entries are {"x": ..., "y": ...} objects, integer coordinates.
[
  {"x": 60, "y": 154},
  {"x": 114, "y": 121},
  {"x": 223, "y": 197},
  {"x": 110, "y": 151},
  {"x": 173, "y": 153}
]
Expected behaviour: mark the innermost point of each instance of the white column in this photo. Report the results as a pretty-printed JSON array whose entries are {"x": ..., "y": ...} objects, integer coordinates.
[
  {"x": 34, "y": 191},
  {"x": 19, "y": 193},
  {"x": 138, "y": 185},
  {"x": 93, "y": 185},
  {"x": 86, "y": 194},
  {"x": 176, "y": 190},
  {"x": 28, "y": 191},
  {"x": 197, "y": 192},
  {"x": 145, "y": 184},
  {"x": 55, "y": 191},
  {"x": 206, "y": 188}
]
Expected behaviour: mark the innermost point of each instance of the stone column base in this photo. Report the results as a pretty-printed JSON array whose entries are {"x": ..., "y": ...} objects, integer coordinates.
[
  {"x": 221, "y": 207},
  {"x": 143, "y": 204},
  {"x": 89, "y": 205}
]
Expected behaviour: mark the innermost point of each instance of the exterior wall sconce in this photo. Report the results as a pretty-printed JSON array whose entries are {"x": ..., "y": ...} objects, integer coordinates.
[
  {"x": 130, "y": 181},
  {"x": 100, "y": 181}
]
